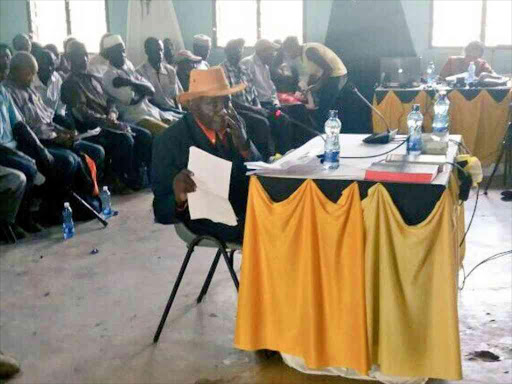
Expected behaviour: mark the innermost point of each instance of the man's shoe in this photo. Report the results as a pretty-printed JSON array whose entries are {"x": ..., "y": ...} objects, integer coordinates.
[
  {"x": 506, "y": 193},
  {"x": 8, "y": 366}
]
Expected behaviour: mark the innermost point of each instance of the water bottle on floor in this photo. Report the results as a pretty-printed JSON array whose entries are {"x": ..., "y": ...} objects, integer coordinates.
[
  {"x": 441, "y": 117},
  {"x": 68, "y": 227},
  {"x": 106, "y": 207},
  {"x": 414, "y": 123},
  {"x": 471, "y": 74},
  {"x": 431, "y": 73},
  {"x": 332, "y": 141}
]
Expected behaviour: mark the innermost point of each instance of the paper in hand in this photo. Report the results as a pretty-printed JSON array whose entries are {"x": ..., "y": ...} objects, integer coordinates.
[{"x": 212, "y": 176}]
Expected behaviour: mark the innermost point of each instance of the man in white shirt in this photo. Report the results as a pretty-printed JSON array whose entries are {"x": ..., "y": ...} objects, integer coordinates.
[
  {"x": 48, "y": 82},
  {"x": 161, "y": 76},
  {"x": 130, "y": 91},
  {"x": 258, "y": 66}
]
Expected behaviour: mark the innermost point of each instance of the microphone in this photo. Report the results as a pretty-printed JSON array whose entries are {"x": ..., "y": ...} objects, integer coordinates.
[
  {"x": 376, "y": 138},
  {"x": 279, "y": 113}
]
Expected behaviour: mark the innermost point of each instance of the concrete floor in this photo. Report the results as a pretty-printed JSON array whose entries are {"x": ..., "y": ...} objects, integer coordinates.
[{"x": 70, "y": 316}]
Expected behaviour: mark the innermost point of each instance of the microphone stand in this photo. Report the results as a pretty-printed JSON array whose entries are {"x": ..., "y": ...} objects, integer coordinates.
[{"x": 376, "y": 138}]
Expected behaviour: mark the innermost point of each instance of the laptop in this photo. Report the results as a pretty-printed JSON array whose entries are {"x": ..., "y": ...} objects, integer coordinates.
[{"x": 403, "y": 72}]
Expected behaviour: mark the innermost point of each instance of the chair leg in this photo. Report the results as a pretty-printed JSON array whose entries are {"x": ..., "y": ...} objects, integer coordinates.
[
  {"x": 8, "y": 233},
  {"x": 208, "y": 280},
  {"x": 230, "y": 267},
  {"x": 496, "y": 165},
  {"x": 232, "y": 258},
  {"x": 173, "y": 294}
]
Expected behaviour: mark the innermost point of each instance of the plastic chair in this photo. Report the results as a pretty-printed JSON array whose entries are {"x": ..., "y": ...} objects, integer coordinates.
[{"x": 226, "y": 250}]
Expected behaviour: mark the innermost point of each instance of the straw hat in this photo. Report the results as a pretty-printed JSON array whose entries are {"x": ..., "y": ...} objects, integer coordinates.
[{"x": 210, "y": 82}]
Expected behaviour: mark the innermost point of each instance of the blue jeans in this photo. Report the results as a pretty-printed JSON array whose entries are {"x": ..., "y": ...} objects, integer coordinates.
[{"x": 327, "y": 96}]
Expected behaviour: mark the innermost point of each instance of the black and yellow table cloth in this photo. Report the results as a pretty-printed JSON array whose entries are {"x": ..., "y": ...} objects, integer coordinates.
[
  {"x": 480, "y": 115},
  {"x": 353, "y": 274}
]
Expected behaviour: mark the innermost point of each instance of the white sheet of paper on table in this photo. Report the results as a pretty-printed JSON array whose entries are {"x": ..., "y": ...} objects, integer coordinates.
[{"x": 212, "y": 176}]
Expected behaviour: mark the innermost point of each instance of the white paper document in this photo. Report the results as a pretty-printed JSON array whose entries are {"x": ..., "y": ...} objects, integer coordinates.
[{"x": 212, "y": 176}]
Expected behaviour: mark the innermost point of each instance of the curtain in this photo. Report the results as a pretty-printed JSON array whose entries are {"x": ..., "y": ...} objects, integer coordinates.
[{"x": 150, "y": 18}]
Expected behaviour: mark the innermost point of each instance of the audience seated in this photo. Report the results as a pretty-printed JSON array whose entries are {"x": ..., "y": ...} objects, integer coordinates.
[
  {"x": 60, "y": 142},
  {"x": 90, "y": 107},
  {"x": 202, "y": 46},
  {"x": 186, "y": 61},
  {"x": 131, "y": 91},
  {"x": 161, "y": 75},
  {"x": 21, "y": 43},
  {"x": 263, "y": 126},
  {"x": 16, "y": 141},
  {"x": 214, "y": 128},
  {"x": 327, "y": 74},
  {"x": 5, "y": 60},
  {"x": 98, "y": 64},
  {"x": 459, "y": 64}
]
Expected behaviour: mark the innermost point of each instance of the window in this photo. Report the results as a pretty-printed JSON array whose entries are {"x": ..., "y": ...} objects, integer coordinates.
[
  {"x": 52, "y": 21},
  {"x": 457, "y": 22},
  {"x": 257, "y": 19}
]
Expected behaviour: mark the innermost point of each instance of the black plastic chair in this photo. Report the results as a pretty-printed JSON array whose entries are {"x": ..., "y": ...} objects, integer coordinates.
[{"x": 226, "y": 250}]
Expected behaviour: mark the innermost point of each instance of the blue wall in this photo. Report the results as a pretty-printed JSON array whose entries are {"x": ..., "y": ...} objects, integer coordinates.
[{"x": 195, "y": 16}]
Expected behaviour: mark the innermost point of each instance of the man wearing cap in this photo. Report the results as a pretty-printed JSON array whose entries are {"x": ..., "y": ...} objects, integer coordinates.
[
  {"x": 98, "y": 64},
  {"x": 90, "y": 107},
  {"x": 213, "y": 126},
  {"x": 185, "y": 63},
  {"x": 131, "y": 91},
  {"x": 202, "y": 45},
  {"x": 161, "y": 76},
  {"x": 258, "y": 66}
]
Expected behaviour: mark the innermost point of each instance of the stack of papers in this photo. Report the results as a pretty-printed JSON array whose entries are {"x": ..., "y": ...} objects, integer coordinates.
[{"x": 211, "y": 198}]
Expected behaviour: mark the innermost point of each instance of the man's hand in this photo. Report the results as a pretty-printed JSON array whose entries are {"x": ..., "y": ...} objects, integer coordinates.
[
  {"x": 183, "y": 185},
  {"x": 65, "y": 140},
  {"x": 235, "y": 126},
  {"x": 119, "y": 82}
]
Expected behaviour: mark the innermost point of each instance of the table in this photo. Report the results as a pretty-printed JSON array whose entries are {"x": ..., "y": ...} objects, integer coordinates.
[
  {"x": 480, "y": 115},
  {"x": 349, "y": 273}
]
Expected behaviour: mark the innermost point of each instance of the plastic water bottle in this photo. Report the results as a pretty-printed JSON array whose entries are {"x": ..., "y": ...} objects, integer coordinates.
[
  {"x": 332, "y": 141},
  {"x": 431, "y": 73},
  {"x": 441, "y": 117},
  {"x": 105, "y": 203},
  {"x": 414, "y": 123},
  {"x": 471, "y": 73},
  {"x": 68, "y": 227},
  {"x": 143, "y": 170}
]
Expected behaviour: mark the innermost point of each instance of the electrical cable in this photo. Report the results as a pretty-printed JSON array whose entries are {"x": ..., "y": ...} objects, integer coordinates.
[
  {"x": 378, "y": 155},
  {"x": 472, "y": 216},
  {"x": 490, "y": 258}
]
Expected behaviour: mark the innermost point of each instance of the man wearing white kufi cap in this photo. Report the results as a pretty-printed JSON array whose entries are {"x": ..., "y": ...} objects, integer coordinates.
[
  {"x": 202, "y": 46},
  {"x": 131, "y": 91}
]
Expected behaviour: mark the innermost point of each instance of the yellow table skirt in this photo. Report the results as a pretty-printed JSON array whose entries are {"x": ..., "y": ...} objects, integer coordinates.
[
  {"x": 482, "y": 121},
  {"x": 349, "y": 284}
]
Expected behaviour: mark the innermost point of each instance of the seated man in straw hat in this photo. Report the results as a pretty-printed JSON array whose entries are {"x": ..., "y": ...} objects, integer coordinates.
[
  {"x": 213, "y": 126},
  {"x": 131, "y": 91}
]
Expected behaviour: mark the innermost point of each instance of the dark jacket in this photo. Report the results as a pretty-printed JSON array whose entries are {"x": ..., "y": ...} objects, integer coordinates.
[{"x": 170, "y": 156}]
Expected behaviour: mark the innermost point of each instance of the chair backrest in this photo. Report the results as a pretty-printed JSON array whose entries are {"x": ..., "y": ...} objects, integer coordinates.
[{"x": 188, "y": 236}]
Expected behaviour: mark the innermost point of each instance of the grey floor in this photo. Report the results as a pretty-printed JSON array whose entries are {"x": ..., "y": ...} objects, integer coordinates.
[{"x": 70, "y": 316}]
